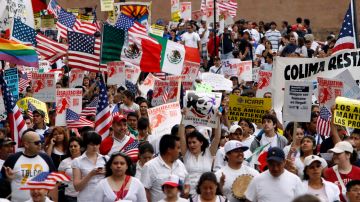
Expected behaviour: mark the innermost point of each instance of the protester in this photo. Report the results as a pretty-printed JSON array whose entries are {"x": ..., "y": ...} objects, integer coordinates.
[
  {"x": 218, "y": 67},
  {"x": 171, "y": 189},
  {"x": 191, "y": 38},
  {"x": 56, "y": 145},
  {"x": 39, "y": 122},
  {"x": 146, "y": 153},
  {"x": 208, "y": 189},
  {"x": 119, "y": 183},
  {"x": 273, "y": 36},
  {"x": 352, "y": 190},
  {"x": 128, "y": 104}
]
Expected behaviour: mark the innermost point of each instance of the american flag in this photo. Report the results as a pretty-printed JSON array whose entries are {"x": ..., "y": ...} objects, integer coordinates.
[
  {"x": 131, "y": 87},
  {"x": 68, "y": 22},
  {"x": 54, "y": 8},
  {"x": 103, "y": 114},
  {"x": 132, "y": 150},
  {"x": 45, "y": 180},
  {"x": 346, "y": 38},
  {"x": 23, "y": 33},
  {"x": 115, "y": 111},
  {"x": 160, "y": 75},
  {"x": 165, "y": 95},
  {"x": 124, "y": 22},
  {"x": 30, "y": 110},
  {"x": 84, "y": 52},
  {"x": 73, "y": 120},
  {"x": 90, "y": 109},
  {"x": 50, "y": 49},
  {"x": 323, "y": 122},
  {"x": 14, "y": 115},
  {"x": 229, "y": 6},
  {"x": 24, "y": 80}
]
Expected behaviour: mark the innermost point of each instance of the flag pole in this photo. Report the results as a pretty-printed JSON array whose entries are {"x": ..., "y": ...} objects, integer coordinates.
[
  {"x": 355, "y": 23},
  {"x": 215, "y": 28}
]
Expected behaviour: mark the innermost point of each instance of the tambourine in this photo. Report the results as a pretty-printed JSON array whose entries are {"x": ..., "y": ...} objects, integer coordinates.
[{"x": 240, "y": 186}]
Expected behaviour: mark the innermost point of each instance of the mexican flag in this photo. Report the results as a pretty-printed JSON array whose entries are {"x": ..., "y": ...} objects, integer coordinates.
[
  {"x": 172, "y": 55},
  {"x": 258, "y": 157}
]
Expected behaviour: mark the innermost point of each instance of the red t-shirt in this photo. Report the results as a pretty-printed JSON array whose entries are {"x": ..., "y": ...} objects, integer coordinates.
[{"x": 330, "y": 175}]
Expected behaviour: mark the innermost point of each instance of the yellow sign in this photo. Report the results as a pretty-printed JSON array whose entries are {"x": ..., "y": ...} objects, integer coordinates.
[
  {"x": 107, "y": 5},
  {"x": 175, "y": 16},
  {"x": 23, "y": 104},
  {"x": 74, "y": 11},
  {"x": 248, "y": 108},
  {"x": 347, "y": 112},
  {"x": 47, "y": 21},
  {"x": 37, "y": 21},
  {"x": 87, "y": 18},
  {"x": 157, "y": 30}
]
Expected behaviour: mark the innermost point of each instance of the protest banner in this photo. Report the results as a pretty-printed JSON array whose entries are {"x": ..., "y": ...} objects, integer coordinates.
[
  {"x": 76, "y": 77},
  {"x": 23, "y": 104},
  {"x": 163, "y": 118},
  {"x": 132, "y": 73},
  {"x": 185, "y": 10},
  {"x": 47, "y": 22},
  {"x": 12, "y": 81},
  {"x": 175, "y": 10},
  {"x": 116, "y": 73},
  {"x": 236, "y": 67},
  {"x": 217, "y": 81},
  {"x": 174, "y": 88},
  {"x": 351, "y": 89},
  {"x": 44, "y": 66},
  {"x": 328, "y": 90},
  {"x": 196, "y": 15},
  {"x": 158, "y": 30},
  {"x": 264, "y": 81},
  {"x": 67, "y": 98},
  {"x": 74, "y": 11},
  {"x": 190, "y": 71},
  {"x": 248, "y": 108},
  {"x": 201, "y": 108},
  {"x": 44, "y": 87},
  {"x": 107, "y": 5},
  {"x": 347, "y": 112},
  {"x": 160, "y": 92},
  {"x": 15, "y": 9},
  {"x": 297, "y": 104},
  {"x": 308, "y": 69},
  {"x": 148, "y": 84}
]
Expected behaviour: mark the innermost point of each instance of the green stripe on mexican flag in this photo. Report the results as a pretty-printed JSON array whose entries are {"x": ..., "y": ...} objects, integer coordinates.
[{"x": 172, "y": 55}]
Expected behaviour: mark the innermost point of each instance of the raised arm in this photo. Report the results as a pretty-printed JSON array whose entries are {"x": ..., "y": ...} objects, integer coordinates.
[{"x": 215, "y": 142}]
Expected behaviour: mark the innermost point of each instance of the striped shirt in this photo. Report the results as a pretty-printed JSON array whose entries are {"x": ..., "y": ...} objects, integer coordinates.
[{"x": 274, "y": 38}]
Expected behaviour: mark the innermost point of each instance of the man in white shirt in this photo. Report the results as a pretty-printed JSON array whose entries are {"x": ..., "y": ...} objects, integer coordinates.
[
  {"x": 217, "y": 68},
  {"x": 275, "y": 184},
  {"x": 204, "y": 36},
  {"x": 273, "y": 36},
  {"x": 156, "y": 171},
  {"x": 235, "y": 156},
  {"x": 191, "y": 38}
]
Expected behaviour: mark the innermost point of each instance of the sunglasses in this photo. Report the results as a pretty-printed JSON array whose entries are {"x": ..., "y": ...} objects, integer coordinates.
[{"x": 37, "y": 142}]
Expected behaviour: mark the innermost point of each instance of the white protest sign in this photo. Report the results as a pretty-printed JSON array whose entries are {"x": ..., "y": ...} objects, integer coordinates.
[
  {"x": 116, "y": 73},
  {"x": 328, "y": 90},
  {"x": 236, "y": 67},
  {"x": 255, "y": 74},
  {"x": 69, "y": 98},
  {"x": 44, "y": 66},
  {"x": 148, "y": 84},
  {"x": 174, "y": 88},
  {"x": 190, "y": 71},
  {"x": 16, "y": 8},
  {"x": 163, "y": 118},
  {"x": 185, "y": 10},
  {"x": 297, "y": 104},
  {"x": 351, "y": 89},
  {"x": 217, "y": 81},
  {"x": 44, "y": 87},
  {"x": 76, "y": 77},
  {"x": 264, "y": 81},
  {"x": 132, "y": 73},
  {"x": 159, "y": 96},
  {"x": 201, "y": 108}
]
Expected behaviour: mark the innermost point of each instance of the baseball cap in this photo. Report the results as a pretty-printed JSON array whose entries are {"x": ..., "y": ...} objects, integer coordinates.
[
  {"x": 119, "y": 118},
  {"x": 234, "y": 128},
  {"x": 173, "y": 181},
  {"x": 234, "y": 144},
  {"x": 343, "y": 146},
  {"x": 275, "y": 154},
  {"x": 310, "y": 159},
  {"x": 7, "y": 141},
  {"x": 39, "y": 111}
]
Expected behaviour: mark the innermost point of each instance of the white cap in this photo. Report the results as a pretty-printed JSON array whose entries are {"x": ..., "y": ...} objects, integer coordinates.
[
  {"x": 343, "y": 146},
  {"x": 310, "y": 159},
  {"x": 172, "y": 180},
  {"x": 234, "y": 128},
  {"x": 234, "y": 144}
]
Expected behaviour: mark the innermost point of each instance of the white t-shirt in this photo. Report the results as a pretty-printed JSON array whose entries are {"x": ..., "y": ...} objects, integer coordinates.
[
  {"x": 230, "y": 177},
  {"x": 179, "y": 200},
  {"x": 220, "y": 158},
  {"x": 319, "y": 193},
  {"x": 248, "y": 141},
  {"x": 216, "y": 70},
  {"x": 46, "y": 200},
  {"x": 287, "y": 150},
  {"x": 126, "y": 110},
  {"x": 265, "y": 140},
  {"x": 267, "y": 188},
  {"x": 300, "y": 167},
  {"x": 65, "y": 166},
  {"x": 205, "y": 38},
  {"x": 196, "y": 166},
  {"x": 190, "y": 39}
]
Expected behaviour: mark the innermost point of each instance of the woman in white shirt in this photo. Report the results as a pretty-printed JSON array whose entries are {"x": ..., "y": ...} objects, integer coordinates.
[
  {"x": 208, "y": 189},
  {"x": 89, "y": 168},
  {"x": 314, "y": 184},
  {"x": 294, "y": 147},
  {"x": 65, "y": 166},
  {"x": 119, "y": 185},
  {"x": 198, "y": 156}
]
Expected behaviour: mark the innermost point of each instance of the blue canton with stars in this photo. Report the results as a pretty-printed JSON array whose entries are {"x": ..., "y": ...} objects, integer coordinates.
[
  {"x": 31, "y": 107},
  {"x": 325, "y": 113},
  {"x": 67, "y": 19},
  {"x": 23, "y": 32},
  {"x": 9, "y": 100},
  {"x": 124, "y": 22},
  {"x": 81, "y": 42},
  {"x": 103, "y": 98},
  {"x": 347, "y": 26},
  {"x": 71, "y": 115}
]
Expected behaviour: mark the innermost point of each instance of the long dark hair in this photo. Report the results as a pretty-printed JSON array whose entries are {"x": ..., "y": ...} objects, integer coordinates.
[
  {"x": 196, "y": 134},
  {"x": 208, "y": 176},
  {"x": 130, "y": 170}
]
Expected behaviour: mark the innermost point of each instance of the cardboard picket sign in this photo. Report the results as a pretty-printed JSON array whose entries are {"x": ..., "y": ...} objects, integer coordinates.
[
  {"x": 351, "y": 89},
  {"x": 23, "y": 104},
  {"x": 217, "y": 81},
  {"x": 190, "y": 71},
  {"x": 76, "y": 77},
  {"x": 148, "y": 84},
  {"x": 67, "y": 98},
  {"x": 116, "y": 73},
  {"x": 185, "y": 10},
  {"x": 44, "y": 87},
  {"x": 264, "y": 83},
  {"x": 201, "y": 108},
  {"x": 160, "y": 88},
  {"x": 174, "y": 88},
  {"x": 132, "y": 72},
  {"x": 236, "y": 67},
  {"x": 328, "y": 90},
  {"x": 347, "y": 112},
  {"x": 12, "y": 80},
  {"x": 298, "y": 101}
]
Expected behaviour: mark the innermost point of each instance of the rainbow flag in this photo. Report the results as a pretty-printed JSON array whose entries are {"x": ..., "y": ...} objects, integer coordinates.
[{"x": 18, "y": 53}]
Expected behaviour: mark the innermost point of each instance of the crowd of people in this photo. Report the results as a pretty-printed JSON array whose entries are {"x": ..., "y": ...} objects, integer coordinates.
[{"x": 191, "y": 163}]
